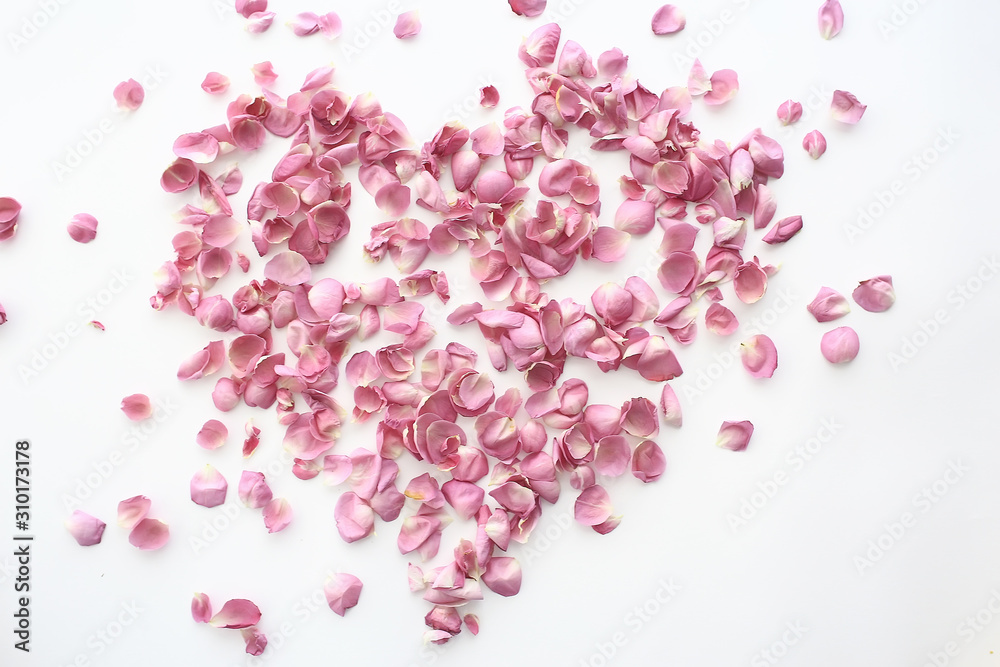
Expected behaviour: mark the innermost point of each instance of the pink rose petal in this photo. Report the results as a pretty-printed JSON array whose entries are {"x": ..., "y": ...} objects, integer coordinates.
[
  {"x": 828, "y": 305},
  {"x": 82, "y": 228},
  {"x": 670, "y": 406},
  {"x": 85, "y": 529},
  {"x": 355, "y": 518},
  {"x": 10, "y": 210},
  {"x": 137, "y": 407},
  {"x": 814, "y": 143},
  {"x": 129, "y": 95},
  {"x": 840, "y": 345},
  {"x": 489, "y": 96},
  {"x": 667, "y": 20},
  {"x": 236, "y": 614},
  {"x": 529, "y": 8},
  {"x": 199, "y": 147},
  {"x": 342, "y": 592},
  {"x": 593, "y": 506},
  {"x": 253, "y": 490},
  {"x": 212, "y": 435},
  {"x": 208, "y": 487},
  {"x": 503, "y": 575},
  {"x": 133, "y": 510},
  {"x": 734, "y": 436},
  {"x": 215, "y": 83},
  {"x": 783, "y": 230},
  {"x": 876, "y": 295},
  {"x": 149, "y": 534},
  {"x": 201, "y": 608},
  {"x": 407, "y": 25},
  {"x": 725, "y": 84},
  {"x": 789, "y": 112},
  {"x": 846, "y": 108},
  {"x": 648, "y": 462},
  {"x": 288, "y": 268},
  {"x": 831, "y": 19},
  {"x": 277, "y": 515},
  {"x": 254, "y": 639},
  {"x": 759, "y": 356}
]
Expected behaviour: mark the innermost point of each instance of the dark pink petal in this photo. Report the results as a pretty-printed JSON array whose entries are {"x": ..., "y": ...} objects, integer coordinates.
[
  {"x": 342, "y": 592},
  {"x": 639, "y": 417},
  {"x": 831, "y": 19},
  {"x": 236, "y": 614},
  {"x": 129, "y": 95},
  {"x": 355, "y": 518},
  {"x": 613, "y": 454},
  {"x": 840, "y": 345},
  {"x": 137, "y": 407},
  {"x": 489, "y": 96},
  {"x": 254, "y": 639},
  {"x": 277, "y": 515},
  {"x": 215, "y": 83},
  {"x": 133, "y": 510},
  {"x": 789, "y": 112},
  {"x": 178, "y": 177},
  {"x": 503, "y": 575},
  {"x": 149, "y": 534},
  {"x": 734, "y": 436},
  {"x": 212, "y": 435},
  {"x": 593, "y": 506},
  {"x": 750, "y": 282},
  {"x": 10, "y": 210},
  {"x": 667, "y": 20},
  {"x": 759, "y": 356},
  {"x": 725, "y": 84},
  {"x": 814, "y": 143},
  {"x": 201, "y": 608},
  {"x": 393, "y": 199},
  {"x": 648, "y": 462},
  {"x": 253, "y": 490},
  {"x": 846, "y": 108},
  {"x": 529, "y": 8},
  {"x": 875, "y": 295},
  {"x": 288, "y": 268},
  {"x": 720, "y": 320},
  {"x": 828, "y": 305},
  {"x": 82, "y": 228},
  {"x": 208, "y": 487},
  {"x": 85, "y": 529},
  {"x": 783, "y": 230},
  {"x": 407, "y": 25},
  {"x": 539, "y": 48}
]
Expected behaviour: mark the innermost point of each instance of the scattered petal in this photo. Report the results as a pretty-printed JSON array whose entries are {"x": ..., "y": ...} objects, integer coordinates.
[
  {"x": 82, "y": 228},
  {"x": 277, "y": 515},
  {"x": 129, "y": 95},
  {"x": 648, "y": 462},
  {"x": 137, "y": 407},
  {"x": 846, "y": 108},
  {"x": 342, "y": 592},
  {"x": 593, "y": 506},
  {"x": 529, "y": 8},
  {"x": 875, "y": 295},
  {"x": 759, "y": 356},
  {"x": 236, "y": 614},
  {"x": 814, "y": 143},
  {"x": 208, "y": 487},
  {"x": 85, "y": 529},
  {"x": 215, "y": 83},
  {"x": 133, "y": 510},
  {"x": 212, "y": 435},
  {"x": 828, "y": 305},
  {"x": 201, "y": 608},
  {"x": 789, "y": 112},
  {"x": 149, "y": 534},
  {"x": 10, "y": 210},
  {"x": 667, "y": 20},
  {"x": 734, "y": 436},
  {"x": 831, "y": 19},
  {"x": 407, "y": 25},
  {"x": 840, "y": 345},
  {"x": 783, "y": 230},
  {"x": 254, "y": 639}
]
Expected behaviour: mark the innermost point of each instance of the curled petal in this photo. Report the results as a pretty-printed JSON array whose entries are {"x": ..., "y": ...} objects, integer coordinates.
[
  {"x": 178, "y": 177},
  {"x": 539, "y": 48},
  {"x": 831, "y": 19},
  {"x": 875, "y": 295},
  {"x": 201, "y": 608},
  {"x": 215, "y": 83},
  {"x": 277, "y": 515},
  {"x": 407, "y": 25},
  {"x": 720, "y": 320},
  {"x": 529, "y": 8},
  {"x": 254, "y": 639},
  {"x": 82, "y": 228},
  {"x": 204, "y": 362},
  {"x": 814, "y": 143},
  {"x": 489, "y": 96},
  {"x": 759, "y": 356},
  {"x": 828, "y": 305},
  {"x": 236, "y": 614},
  {"x": 846, "y": 108},
  {"x": 593, "y": 506},
  {"x": 149, "y": 535},
  {"x": 212, "y": 435},
  {"x": 635, "y": 216},
  {"x": 648, "y": 462},
  {"x": 840, "y": 345},
  {"x": 129, "y": 95},
  {"x": 503, "y": 575},
  {"x": 750, "y": 282},
  {"x": 342, "y": 592},
  {"x": 667, "y": 20},
  {"x": 734, "y": 436},
  {"x": 789, "y": 112},
  {"x": 85, "y": 529},
  {"x": 133, "y": 510},
  {"x": 670, "y": 406},
  {"x": 355, "y": 518},
  {"x": 137, "y": 407},
  {"x": 783, "y": 230},
  {"x": 199, "y": 147},
  {"x": 465, "y": 497},
  {"x": 253, "y": 490},
  {"x": 208, "y": 487},
  {"x": 10, "y": 210}
]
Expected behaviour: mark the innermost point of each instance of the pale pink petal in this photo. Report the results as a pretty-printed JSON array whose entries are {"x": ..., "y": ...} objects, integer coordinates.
[
  {"x": 259, "y": 22},
  {"x": 759, "y": 356},
  {"x": 330, "y": 25},
  {"x": 133, "y": 510},
  {"x": 539, "y": 48},
  {"x": 610, "y": 244},
  {"x": 831, "y": 19},
  {"x": 667, "y": 20},
  {"x": 648, "y": 462},
  {"x": 846, "y": 108},
  {"x": 764, "y": 207},
  {"x": 698, "y": 82},
  {"x": 208, "y": 487},
  {"x": 254, "y": 639},
  {"x": 750, "y": 282},
  {"x": 137, "y": 407},
  {"x": 236, "y": 614},
  {"x": 149, "y": 534},
  {"x": 529, "y": 8},
  {"x": 734, "y": 436},
  {"x": 215, "y": 83},
  {"x": 288, "y": 268},
  {"x": 305, "y": 23},
  {"x": 613, "y": 454},
  {"x": 840, "y": 345},
  {"x": 277, "y": 515},
  {"x": 783, "y": 230},
  {"x": 828, "y": 305},
  {"x": 201, "y": 608},
  {"x": 875, "y": 295},
  {"x": 725, "y": 84},
  {"x": 263, "y": 73},
  {"x": 85, "y": 529},
  {"x": 465, "y": 497},
  {"x": 472, "y": 623},
  {"x": 789, "y": 112},
  {"x": 814, "y": 143},
  {"x": 212, "y": 435},
  {"x": 342, "y": 592},
  {"x": 129, "y": 95},
  {"x": 720, "y": 320},
  {"x": 82, "y": 228},
  {"x": 503, "y": 575},
  {"x": 199, "y": 147},
  {"x": 248, "y": 133},
  {"x": 355, "y": 518},
  {"x": 253, "y": 490},
  {"x": 407, "y": 25},
  {"x": 635, "y": 216},
  {"x": 593, "y": 506}
]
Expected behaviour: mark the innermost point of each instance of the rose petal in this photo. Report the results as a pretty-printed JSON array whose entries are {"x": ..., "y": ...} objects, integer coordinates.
[
  {"x": 277, "y": 515},
  {"x": 215, "y": 83},
  {"x": 648, "y": 462},
  {"x": 212, "y": 435},
  {"x": 789, "y": 112},
  {"x": 342, "y": 592},
  {"x": 133, "y": 510},
  {"x": 840, "y": 345},
  {"x": 734, "y": 436},
  {"x": 129, "y": 95},
  {"x": 253, "y": 490},
  {"x": 503, "y": 575},
  {"x": 288, "y": 268},
  {"x": 85, "y": 529},
  {"x": 759, "y": 356},
  {"x": 725, "y": 84},
  {"x": 137, "y": 407},
  {"x": 750, "y": 282},
  {"x": 254, "y": 639},
  {"x": 407, "y": 25},
  {"x": 529, "y": 8},
  {"x": 82, "y": 228},
  {"x": 208, "y": 487},
  {"x": 149, "y": 534},
  {"x": 593, "y": 506},
  {"x": 783, "y": 230},
  {"x": 846, "y": 108},
  {"x": 201, "y": 608},
  {"x": 236, "y": 614},
  {"x": 720, "y": 320},
  {"x": 875, "y": 295},
  {"x": 831, "y": 19},
  {"x": 814, "y": 143},
  {"x": 355, "y": 518},
  {"x": 667, "y": 20},
  {"x": 828, "y": 305},
  {"x": 670, "y": 406},
  {"x": 10, "y": 210},
  {"x": 613, "y": 454}
]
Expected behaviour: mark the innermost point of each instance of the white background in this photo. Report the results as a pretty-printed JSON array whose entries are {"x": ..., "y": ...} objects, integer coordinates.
[{"x": 900, "y": 426}]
